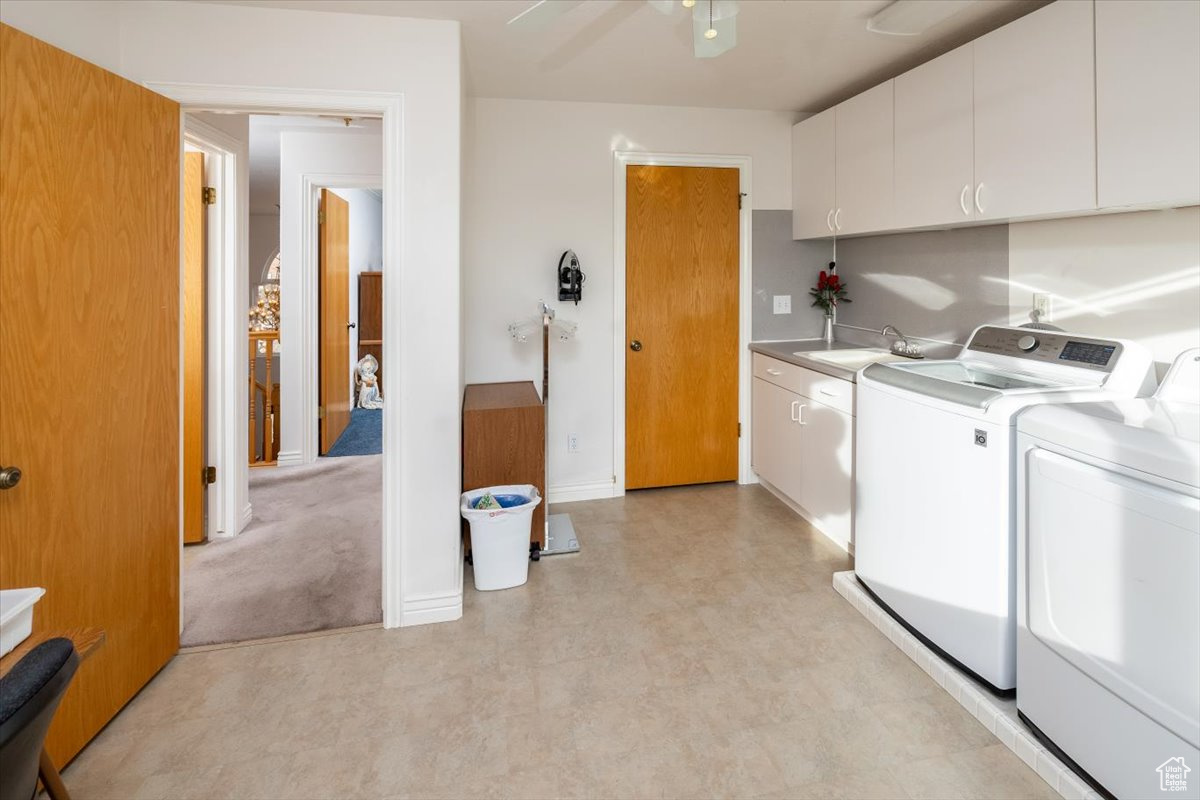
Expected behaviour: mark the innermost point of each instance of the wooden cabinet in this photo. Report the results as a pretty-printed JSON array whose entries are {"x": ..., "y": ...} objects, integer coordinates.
[
  {"x": 1147, "y": 103},
  {"x": 935, "y": 148},
  {"x": 504, "y": 442},
  {"x": 1035, "y": 122},
  {"x": 370, "y": 317},
  {"x": 803, "y": 442},
  {"x": 813, "y": 182},
  {"x": 864, "y": 162}
]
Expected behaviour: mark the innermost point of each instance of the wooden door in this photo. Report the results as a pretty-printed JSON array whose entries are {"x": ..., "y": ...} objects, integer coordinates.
[
  {"x": 1035, "y": 114},
  {"x": 864, "y": 162},
  {"x": 681, "y": 310},
  {"x": 335, "y": 317},
  {"x": 813, "y": 183},
  {"x": 935, "y": 147},
  {"x": 193, "y": 347},
  {"x": 89, "y": 337}
]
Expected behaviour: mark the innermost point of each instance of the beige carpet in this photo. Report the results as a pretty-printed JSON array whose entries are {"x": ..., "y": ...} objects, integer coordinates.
[{"x": 309, "y": 559}]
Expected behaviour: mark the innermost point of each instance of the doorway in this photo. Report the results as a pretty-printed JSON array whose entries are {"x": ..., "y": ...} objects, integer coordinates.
[
  {"x": 681, "y": 399},
  {"x": 310, "y": 555}
]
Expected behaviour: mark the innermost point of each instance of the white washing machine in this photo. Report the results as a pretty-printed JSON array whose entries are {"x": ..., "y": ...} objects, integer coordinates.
[
  {"x": 935, "y": 531},
  {"x": 1108, "y": 612}
]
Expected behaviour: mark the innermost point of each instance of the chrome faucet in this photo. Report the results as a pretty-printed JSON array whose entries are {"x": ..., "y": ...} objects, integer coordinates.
[{"x": 901, "y": 347}]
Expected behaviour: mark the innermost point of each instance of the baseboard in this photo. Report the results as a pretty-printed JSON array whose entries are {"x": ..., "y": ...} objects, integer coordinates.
[
  {"x": 846, "y": 547},
  {"x": 247, "y": 515},
  {"x": 289, "y": 458},
  {"x": 430, "y": 609},
  {"x": 575, "y": 492}
]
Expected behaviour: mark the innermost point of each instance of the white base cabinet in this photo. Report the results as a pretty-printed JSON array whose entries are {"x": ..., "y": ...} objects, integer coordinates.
[{"x": 804, "y": 446}]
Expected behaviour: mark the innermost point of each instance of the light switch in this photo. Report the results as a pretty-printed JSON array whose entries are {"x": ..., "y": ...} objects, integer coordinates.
[{"x": 783, "y": 304}]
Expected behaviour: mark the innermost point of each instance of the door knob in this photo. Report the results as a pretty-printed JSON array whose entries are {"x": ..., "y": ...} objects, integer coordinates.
[
  {"x": 350, "y": 325},
  {"x": 9, "y": 477},
  {"x": 635, "y": 345}
]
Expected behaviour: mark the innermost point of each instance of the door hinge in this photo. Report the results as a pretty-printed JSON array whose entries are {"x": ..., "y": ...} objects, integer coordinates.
[
  {"x": 210, "y": 475},
  {"x": 320, "y": 217},
  {"x": 739, "y": 430},
  {"x": 320, "y": 412},
  {"x": 740, "y": 196},
  {"x": 208, "y": 195}
]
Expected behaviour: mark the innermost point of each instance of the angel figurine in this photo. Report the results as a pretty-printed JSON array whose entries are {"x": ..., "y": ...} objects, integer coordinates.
[{"x": 366, "y": 383}]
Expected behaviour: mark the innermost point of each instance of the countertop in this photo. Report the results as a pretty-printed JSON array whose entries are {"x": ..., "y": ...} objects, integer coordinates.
[{"x": 784, "y": 351}]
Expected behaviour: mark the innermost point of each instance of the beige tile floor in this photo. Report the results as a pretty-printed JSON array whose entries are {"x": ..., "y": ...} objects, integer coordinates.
[{"x": 695, "y": 648}]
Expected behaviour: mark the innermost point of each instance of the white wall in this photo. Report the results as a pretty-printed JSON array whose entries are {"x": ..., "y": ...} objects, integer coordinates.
[
  {"x": 1133, "y": 276},
  {"x": 175, "y": 42},
  {"x": 366, "y": 253},
  {"x": 301, "y": 154},
  {"x": 539, "y": 181}
]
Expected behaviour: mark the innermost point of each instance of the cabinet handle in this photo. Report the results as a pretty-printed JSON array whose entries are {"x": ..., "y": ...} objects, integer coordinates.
[
  {"x": 800, "y": 412},
  {"x": 831, "y": 394},
  {"x": 978, "y": 189},
  {"x": 962, "y": 199},
  {"x": 829, "y": 219},
  {"x": 795, "y": 411},
  {"x": 837, "y": 215},
  {"x": 774, "y": 371}
]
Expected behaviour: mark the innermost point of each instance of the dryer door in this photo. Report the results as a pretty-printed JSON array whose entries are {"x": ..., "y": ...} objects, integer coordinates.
[{"x": 1112, "y": 584}]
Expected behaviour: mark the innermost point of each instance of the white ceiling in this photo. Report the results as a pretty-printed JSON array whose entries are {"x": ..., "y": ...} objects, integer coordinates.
[
  {"x": 264, "y": 151},
  {"x": 792, "y": 55}
]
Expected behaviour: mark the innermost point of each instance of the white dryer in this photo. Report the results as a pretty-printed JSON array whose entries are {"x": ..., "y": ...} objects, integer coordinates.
[
  {"x": 1108, "y": 641},
  {"x": 935, "y": 531}
]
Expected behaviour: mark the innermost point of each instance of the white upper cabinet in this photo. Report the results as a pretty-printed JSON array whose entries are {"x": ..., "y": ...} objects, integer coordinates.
[
  {"x": 1148, "y": 102},
  {"x": 864, "y": 159},
  {"x": 1035, "y": 115},
  {"x": 935, "y": 149},
  {"x": 812, "y": 176}
]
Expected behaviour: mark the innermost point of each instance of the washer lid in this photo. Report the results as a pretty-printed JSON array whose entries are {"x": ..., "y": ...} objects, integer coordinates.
[
  {"x": 958, "y": 381},
  {"x": 1158, "y": 437}
]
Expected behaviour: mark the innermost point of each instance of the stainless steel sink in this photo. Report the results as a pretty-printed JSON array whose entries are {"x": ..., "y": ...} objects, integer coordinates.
[{"x": 853, "y": 359}]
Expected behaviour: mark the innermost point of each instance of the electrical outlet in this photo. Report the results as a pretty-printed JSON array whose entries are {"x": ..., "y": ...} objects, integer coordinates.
[
  {"x": 1043, "y": 306},
  {"x": 783, "y": 303},
  {"x": 572, "y": 442}
]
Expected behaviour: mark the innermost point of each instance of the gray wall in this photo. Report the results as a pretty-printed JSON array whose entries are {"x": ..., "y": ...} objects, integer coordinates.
[
  {"x": 932, "y": 284},
  {"x": 783, "y": 266}
]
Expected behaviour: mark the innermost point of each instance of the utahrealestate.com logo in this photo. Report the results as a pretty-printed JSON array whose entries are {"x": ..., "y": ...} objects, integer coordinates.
[{"x": 1172, "y": 775}]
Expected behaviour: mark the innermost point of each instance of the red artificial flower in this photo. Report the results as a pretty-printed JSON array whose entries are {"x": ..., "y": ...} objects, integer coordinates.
[{"x": 823, "y": 280}]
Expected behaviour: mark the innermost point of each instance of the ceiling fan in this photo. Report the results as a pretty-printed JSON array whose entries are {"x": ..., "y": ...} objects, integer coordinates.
[{"x": 714, "y": 22}]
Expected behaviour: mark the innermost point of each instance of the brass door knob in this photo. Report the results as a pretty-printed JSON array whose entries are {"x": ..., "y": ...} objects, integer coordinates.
[
  {"x": 635, "y": 345},
  {"x": 9, "y": 477}
]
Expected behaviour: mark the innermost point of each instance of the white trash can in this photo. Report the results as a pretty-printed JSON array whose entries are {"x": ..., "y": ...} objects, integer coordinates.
[{"x": 500, "y": 536}]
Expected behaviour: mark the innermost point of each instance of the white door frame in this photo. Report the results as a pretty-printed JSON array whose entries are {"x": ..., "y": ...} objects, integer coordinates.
[
  {"x": 245, "y": 99},
  {"x": 226, "y": 433},
  {"x": 311, "y": 184},
  {"x": 621, "y": 160}
]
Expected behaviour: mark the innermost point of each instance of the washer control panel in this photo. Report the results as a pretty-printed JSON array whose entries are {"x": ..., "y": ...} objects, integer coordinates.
[{"x": 1047, "y": 347}]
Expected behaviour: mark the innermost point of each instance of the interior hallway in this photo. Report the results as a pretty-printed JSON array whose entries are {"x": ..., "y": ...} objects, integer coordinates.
[
  {"x": 309, "y": 560},
  {"x": 694, "y": 648}
]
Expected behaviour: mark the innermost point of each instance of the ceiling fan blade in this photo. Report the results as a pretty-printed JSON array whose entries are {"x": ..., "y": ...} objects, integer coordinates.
[
  {"x": 714, "y": 27},
  {"x": 543, "y": 12}
]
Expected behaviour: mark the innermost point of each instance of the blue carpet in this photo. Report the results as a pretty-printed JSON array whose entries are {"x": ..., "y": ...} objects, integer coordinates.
[{"x": 363, "y": 436}]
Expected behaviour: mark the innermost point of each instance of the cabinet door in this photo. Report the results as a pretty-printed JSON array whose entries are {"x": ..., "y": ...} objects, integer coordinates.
[
  {"x": 935, "y": 148},
  {"x": 1035, "y": 126},
  {"x": 812, "y": 176},
  {"x": 775, "y": 448},
  {"x": 1148, "y": 102},
  {"x": 827, "y": 469},
  {"x": 864, "y": 162}
]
